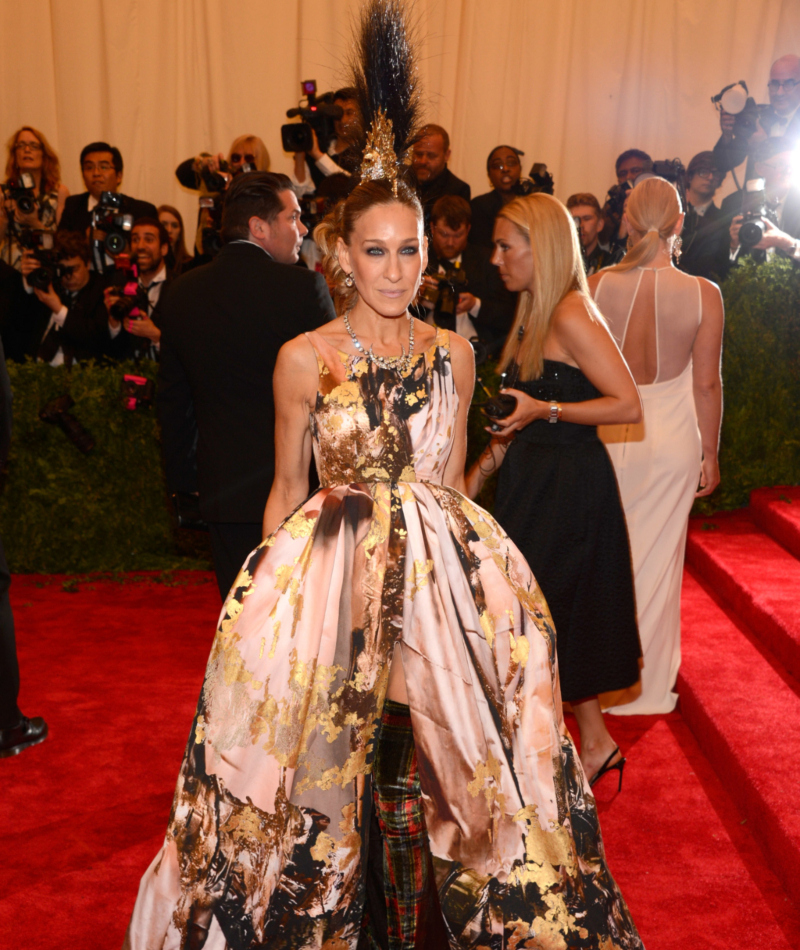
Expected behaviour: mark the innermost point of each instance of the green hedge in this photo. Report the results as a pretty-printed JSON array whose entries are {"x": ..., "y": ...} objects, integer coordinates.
[{"x": 61, "y": 511}]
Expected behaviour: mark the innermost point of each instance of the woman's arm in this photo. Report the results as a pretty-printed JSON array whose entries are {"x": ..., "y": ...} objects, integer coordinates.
[
  {"x": 577, "y": 337},
  {"x": 294, "y": 385},
  {"x": 489, "y": 462},
  {"x": 707, "y": 382},
  {"x": 462, "y": 359}
]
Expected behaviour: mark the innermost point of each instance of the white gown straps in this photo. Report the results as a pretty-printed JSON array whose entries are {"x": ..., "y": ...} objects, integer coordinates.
[{"x": 656, "y": 313}]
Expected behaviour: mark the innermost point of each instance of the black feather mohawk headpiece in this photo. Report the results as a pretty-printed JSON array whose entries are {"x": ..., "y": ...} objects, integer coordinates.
[{"x": 385, "y": 79}]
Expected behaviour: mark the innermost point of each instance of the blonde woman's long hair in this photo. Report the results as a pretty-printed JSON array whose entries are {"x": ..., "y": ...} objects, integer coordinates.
[
  {"x": 557, "y": 271},
  {"x": 652, "y": 209}
]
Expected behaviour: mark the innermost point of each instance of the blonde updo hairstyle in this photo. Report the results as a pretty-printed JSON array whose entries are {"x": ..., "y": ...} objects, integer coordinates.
[
  {"x": 558, "y": 270},
  {"x": 341, "y": 222},
  {"x": 653, "y": 209}
]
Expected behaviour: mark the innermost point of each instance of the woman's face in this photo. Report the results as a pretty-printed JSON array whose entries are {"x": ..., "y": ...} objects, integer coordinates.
[
  {"x": 386, "y": 255},
  {"x": 504, "y": 169},
  {"x": 172, "y": 226},
  {"x": 512, "y": 256},
  {"x": 28, "y": 152}
]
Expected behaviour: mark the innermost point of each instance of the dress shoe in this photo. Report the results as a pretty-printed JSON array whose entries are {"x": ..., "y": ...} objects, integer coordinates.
[
  {"x": 605, "y": 767},
  {"x": 28, "y": 732}
]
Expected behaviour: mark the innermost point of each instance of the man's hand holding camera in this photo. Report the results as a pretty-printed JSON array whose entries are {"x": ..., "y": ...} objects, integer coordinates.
[
  {"x": 773, "y": 236},
  {"x": 141, "y": 325},
  {"x": 28, "y": 264}
]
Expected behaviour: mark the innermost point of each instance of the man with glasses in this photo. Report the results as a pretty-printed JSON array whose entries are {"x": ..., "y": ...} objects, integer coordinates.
[
  {"x": 783, "y": 122},
  {"x": 101, "y": 167},
  {"x": 700, "y": 247}
]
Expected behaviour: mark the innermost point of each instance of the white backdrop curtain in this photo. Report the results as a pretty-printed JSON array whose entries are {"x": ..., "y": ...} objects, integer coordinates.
[{"x": 572, "y": 82}]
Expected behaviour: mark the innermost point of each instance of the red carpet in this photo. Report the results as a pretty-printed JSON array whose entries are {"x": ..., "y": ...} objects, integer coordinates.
[{"x": 115, "y": 668}]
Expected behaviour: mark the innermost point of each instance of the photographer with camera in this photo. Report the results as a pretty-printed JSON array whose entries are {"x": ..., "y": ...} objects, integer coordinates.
[
  {"x": 461, "y": 289},
  {"x": 337, "y": 154},
  {"x": 588, "y": 217},
  {"x": 69, "y": 324},
  {"x": 134, "y": 300},
  {"x": 629, "y": 165},
  {"x": 430, "y": 155},
  {"x": 223, "y": 326},
  {"x": 33, "y": 193},
  {"x": 700, "y": 246},
  {"x": 764, "y": 218},
  {"x": 752, "y": 123},
  {"x": 210, "y": 175}
]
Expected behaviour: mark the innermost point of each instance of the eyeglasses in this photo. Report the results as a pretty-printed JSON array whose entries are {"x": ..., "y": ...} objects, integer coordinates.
[
  {"x": 707, "y": 173},
  {"x": 236, "y": 158},
  {"x": 28, "y": 146},
  {"x": 788, "y": 84},
  {"x": 100, "y": 167},
  {"x": 508, "y": 165}
]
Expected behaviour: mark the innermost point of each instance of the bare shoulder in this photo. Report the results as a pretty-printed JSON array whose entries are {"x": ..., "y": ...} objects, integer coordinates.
[
  {"x": 63, "y": 191},
  {"x": 710, "y": 293},
  {"x": 574, "y": 315},
  {"x": 297, "y": 356},
  {"x": 462, "y": 358},
  {"x": 594, "y": 281}
]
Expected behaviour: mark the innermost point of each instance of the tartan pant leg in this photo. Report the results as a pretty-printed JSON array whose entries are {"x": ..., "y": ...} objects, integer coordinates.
[{"x": 398, "y": 803}]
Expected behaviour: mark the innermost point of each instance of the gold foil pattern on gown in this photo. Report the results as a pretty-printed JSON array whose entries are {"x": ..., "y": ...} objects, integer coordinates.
[{"x": 267, "y": 840}]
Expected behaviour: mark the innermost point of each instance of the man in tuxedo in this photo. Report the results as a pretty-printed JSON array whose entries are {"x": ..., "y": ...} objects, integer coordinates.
[
  {"x": 101, "y": 167},
  {"x": 774, "y": 163},
  {"x": 69, "y": 323},
  {"x": 700, "y": 245},
  {"x": 222, "y": 327},
  {"x": 783, "y": 122},
  {"x": 431, "y": 153},
  {"x": 484, "y": 309},
  {"x": 138, "y": 337},
  {"x": 17, "y": 732}
]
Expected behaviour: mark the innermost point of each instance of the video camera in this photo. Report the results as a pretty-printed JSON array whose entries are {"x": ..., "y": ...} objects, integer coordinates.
[
  {"x": 115, "y": 226},
  {"x": 318, "y": 114},
  {"x": 132, "y": 297},
  {"x": 23, "y": 192},
  {"x": 735, "y": 100},
  {"x": 539, "y": 180}
]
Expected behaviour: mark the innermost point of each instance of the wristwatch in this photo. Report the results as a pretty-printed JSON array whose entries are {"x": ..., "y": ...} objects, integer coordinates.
[{"x": 555, "y": 412}]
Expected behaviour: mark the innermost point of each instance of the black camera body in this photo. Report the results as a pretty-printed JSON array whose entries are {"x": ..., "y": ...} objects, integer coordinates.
[
  {"x": 133, "y": 301},
  {"x": 41, "y": 243},
  {"x": 755, "y": 209},
  {"x": 106, "y": 217},
  {"x": 23, "y": 192},
  {"x": 539, "y": 180},
  {"x": 318, "y": 114},
  {"x": 615, "y": 199},
  {"x": 444, "y": 296}
]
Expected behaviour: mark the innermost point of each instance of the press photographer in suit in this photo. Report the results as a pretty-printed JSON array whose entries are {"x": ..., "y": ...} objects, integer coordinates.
[{"x": 222, "y": 327}]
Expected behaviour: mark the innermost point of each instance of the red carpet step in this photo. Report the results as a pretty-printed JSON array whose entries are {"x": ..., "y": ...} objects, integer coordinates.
[
  {"x": 754, "y": 575},
  {"x": 777, "y": 512},
  {"x": 745, "y": 714},
  {"x": 116, "y": 668}
]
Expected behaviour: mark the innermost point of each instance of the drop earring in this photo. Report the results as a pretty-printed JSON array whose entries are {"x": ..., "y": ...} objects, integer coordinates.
[
  {"x": 349, "y": 281},
  {"x": 677, "y": 244}
]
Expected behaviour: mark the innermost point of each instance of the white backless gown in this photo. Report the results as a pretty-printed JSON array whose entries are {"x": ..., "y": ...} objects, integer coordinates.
[{"x": 657, "y": 462}]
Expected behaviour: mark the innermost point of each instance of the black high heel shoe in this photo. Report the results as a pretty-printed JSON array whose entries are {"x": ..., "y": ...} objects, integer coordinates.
[{"x": 605, "y": 767}]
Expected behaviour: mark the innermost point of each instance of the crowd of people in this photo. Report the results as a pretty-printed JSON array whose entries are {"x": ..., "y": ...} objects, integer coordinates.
[{"x": 386, "y": 603}]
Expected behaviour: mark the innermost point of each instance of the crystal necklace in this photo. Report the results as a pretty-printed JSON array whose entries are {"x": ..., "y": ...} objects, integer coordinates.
[{"x": 401, "y": 363}]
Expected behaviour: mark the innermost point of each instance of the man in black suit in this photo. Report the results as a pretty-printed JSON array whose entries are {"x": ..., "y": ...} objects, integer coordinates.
[
  {"x": 431, "y": 153},
  {"x": 69, "y": 323},
  {"x": 17, "y": 732},
  {"x": 222, "y": 328},
  {"x": 101, "y": 167},
  {"x": 773, "y": 162},
  {"x": 700, "y": 244},
  {"x": 484, "y": 309},
  {"x": 783, "y": 121}
]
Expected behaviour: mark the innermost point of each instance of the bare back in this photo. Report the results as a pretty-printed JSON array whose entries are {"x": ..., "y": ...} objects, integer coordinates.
[{"x": 654, "y": 315}]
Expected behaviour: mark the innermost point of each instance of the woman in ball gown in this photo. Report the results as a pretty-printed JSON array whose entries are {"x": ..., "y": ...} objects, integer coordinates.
[
  {"x": 669, "y": 328},
  {"x": 557, "y": 495}
]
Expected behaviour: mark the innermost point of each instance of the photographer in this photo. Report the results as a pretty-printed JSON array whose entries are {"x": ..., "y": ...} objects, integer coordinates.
[
  {"x": 101, "y": 167},
  {"x": 461, "y": 289},
  {"x": 33, "y": 193},
  {"x": 773, "y": 214},
  {"x": 629, "y": 165},
  {"x": 700, "y": 247},
  {"x": 504, "y": 169},
  {"x": 781, "y": 121},
  {"x": 134, "y": 315},
  {"x": 431, "y": 153},
  {"x": 210, "y": 175},
  {"x": 69, "y": 324},
  {"x": 223, "y": 326},
  {"x": 343, "y": 154}
]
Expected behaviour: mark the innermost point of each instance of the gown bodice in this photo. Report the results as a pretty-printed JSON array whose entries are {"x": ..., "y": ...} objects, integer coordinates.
[
  {"x": 382, "y": 425},
  {"x": 562, "y": 383}
]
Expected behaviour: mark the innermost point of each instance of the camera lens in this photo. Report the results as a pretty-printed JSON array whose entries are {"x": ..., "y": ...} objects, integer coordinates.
[
  {"x": 115, "y": 243},
  {"x": 751, "y": 233},
  {"x": 26, "y": 204}
]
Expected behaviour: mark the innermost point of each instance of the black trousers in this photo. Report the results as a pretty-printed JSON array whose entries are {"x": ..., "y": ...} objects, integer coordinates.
[
  {"x": 9, "y": 667},
  {"x": 231, "y": 542}
]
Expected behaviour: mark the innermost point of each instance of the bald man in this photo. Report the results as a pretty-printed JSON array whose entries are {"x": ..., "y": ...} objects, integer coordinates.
[{"x": 784, "y": 97}]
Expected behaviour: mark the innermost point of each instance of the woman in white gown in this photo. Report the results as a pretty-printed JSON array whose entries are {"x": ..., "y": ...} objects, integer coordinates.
[{"x": 669, "y": 328}]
